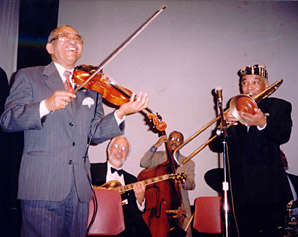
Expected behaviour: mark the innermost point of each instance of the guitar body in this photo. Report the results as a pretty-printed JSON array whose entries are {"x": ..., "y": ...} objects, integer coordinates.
[{"x": 110, "y": 185}]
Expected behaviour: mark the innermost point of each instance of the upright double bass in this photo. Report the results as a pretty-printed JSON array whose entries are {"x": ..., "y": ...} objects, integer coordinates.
[{"x": 163, "y": 199}]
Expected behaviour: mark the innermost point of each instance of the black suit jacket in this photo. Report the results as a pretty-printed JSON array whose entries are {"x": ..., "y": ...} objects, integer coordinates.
[
  {"x": 256, "y": 172},
  {"x": 134, "y": 223},
  {"x": 294, "y": 180}
]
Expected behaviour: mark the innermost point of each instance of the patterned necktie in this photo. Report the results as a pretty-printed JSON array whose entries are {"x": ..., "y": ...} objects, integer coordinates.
[
  {"x": 67, "y": 84},
  {"x": 120, "y": 172}
]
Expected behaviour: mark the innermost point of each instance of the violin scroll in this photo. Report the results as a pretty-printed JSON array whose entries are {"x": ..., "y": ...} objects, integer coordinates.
[{"x": 157, "y": 123}]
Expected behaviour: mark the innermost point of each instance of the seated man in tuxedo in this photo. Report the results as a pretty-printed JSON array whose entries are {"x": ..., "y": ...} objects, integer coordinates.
[{"x": 133, "y": 201}]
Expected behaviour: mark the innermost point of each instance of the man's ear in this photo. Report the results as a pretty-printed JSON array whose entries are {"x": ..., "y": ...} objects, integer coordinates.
[
  {"x": 49, "y": 48},
  {"x": 266, "y": 83}
]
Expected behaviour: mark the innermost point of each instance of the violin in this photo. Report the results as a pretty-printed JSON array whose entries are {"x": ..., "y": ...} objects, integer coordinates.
[
  {"x": 111, "y": 91},
  {"x": 91, "y": 77}
]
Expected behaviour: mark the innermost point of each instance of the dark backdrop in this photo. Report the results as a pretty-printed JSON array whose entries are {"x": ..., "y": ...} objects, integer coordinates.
[{"x": 37, "y": 19}]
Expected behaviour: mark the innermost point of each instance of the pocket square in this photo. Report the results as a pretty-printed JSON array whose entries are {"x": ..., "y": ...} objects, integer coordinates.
[{"x": 88, "y": 101}]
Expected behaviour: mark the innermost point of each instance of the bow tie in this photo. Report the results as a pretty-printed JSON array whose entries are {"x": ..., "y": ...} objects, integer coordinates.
[{"x": 120, "y": 172}]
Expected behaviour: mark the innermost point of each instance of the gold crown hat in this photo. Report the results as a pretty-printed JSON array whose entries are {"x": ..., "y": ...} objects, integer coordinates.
[{"x": 257, "y": 69}]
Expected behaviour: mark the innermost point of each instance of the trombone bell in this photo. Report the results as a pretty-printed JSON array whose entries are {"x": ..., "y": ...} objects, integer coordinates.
[{"x": 242, "y": 103}]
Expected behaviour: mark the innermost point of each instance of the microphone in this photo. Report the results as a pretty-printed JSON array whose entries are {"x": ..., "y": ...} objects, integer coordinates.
[{"x": 218, "y": 91}]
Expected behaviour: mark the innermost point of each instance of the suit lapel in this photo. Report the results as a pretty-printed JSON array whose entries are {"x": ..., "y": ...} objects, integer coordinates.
[
  {"x": 102, "y": 172},
  {"x": 52, "y": 78},
  {"x": 54, "y": 82},
  {"x": 126, "y": 179},
  {"x": 105, "y": 170}
]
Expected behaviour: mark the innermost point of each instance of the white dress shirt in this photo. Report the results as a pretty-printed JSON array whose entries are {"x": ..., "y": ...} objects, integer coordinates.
[{"x": 114, "y": 176}]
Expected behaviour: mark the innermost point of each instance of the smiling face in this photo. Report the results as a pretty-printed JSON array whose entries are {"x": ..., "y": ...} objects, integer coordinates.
[
  {"x": 117, "y": 151},
  {"x": 65, "y": 52}
]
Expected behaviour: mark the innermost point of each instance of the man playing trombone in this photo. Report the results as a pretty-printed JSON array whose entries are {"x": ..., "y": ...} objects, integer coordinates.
[{"x": 257, "y": 179}]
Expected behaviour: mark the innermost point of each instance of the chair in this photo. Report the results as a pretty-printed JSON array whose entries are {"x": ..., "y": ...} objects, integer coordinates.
[
  {"x": 207, "y": 215},
  {"x": 109, "y": 218}
]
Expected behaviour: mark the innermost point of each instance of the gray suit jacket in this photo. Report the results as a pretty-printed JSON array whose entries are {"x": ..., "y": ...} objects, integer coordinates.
[{"x": 54, "y": 146}]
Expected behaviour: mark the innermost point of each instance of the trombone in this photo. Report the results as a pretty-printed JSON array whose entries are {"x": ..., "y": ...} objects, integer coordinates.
[{"x": 243, "y": 103}]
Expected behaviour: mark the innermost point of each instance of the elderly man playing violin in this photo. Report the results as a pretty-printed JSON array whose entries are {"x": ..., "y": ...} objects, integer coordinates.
[
  {"x": 54, "y": 185},
  {"x": 258, "y": 180}
]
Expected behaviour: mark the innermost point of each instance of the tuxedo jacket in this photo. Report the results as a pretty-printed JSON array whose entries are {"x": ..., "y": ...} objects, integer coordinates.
[
  {"x": 257, "y": 173},
  {"x": 53, "y": 158}
]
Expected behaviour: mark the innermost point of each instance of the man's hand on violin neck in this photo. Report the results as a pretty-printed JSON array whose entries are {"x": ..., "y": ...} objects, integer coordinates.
[
  {"x": 134, "y": 105},
  {"x": 59, "y": 100}
]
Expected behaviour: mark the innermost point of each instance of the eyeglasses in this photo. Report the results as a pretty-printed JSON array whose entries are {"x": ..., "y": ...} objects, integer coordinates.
[
  {"x": 117, "y": 146},
  {"x": 173, "y": 139},
  {"x": 65, "y": 37}
]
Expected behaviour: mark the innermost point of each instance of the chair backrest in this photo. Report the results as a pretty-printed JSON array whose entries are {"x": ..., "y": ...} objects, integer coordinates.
[
  {"x": 207, "y": 215},
  {"x": 109, "y": 218}
]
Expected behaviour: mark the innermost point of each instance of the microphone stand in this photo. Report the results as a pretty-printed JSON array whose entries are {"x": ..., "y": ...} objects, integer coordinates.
[{"x": 225, "y": 185}]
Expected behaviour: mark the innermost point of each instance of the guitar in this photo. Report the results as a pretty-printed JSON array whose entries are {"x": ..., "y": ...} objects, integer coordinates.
[{"x": 116, "y": 185}]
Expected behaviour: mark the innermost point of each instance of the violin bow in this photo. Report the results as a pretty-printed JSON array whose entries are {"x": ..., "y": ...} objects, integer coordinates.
[{"x": 119, "y": 49}]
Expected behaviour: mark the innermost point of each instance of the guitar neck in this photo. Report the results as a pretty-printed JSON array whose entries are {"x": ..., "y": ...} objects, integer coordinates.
[{"x": 129, "y": 187}]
